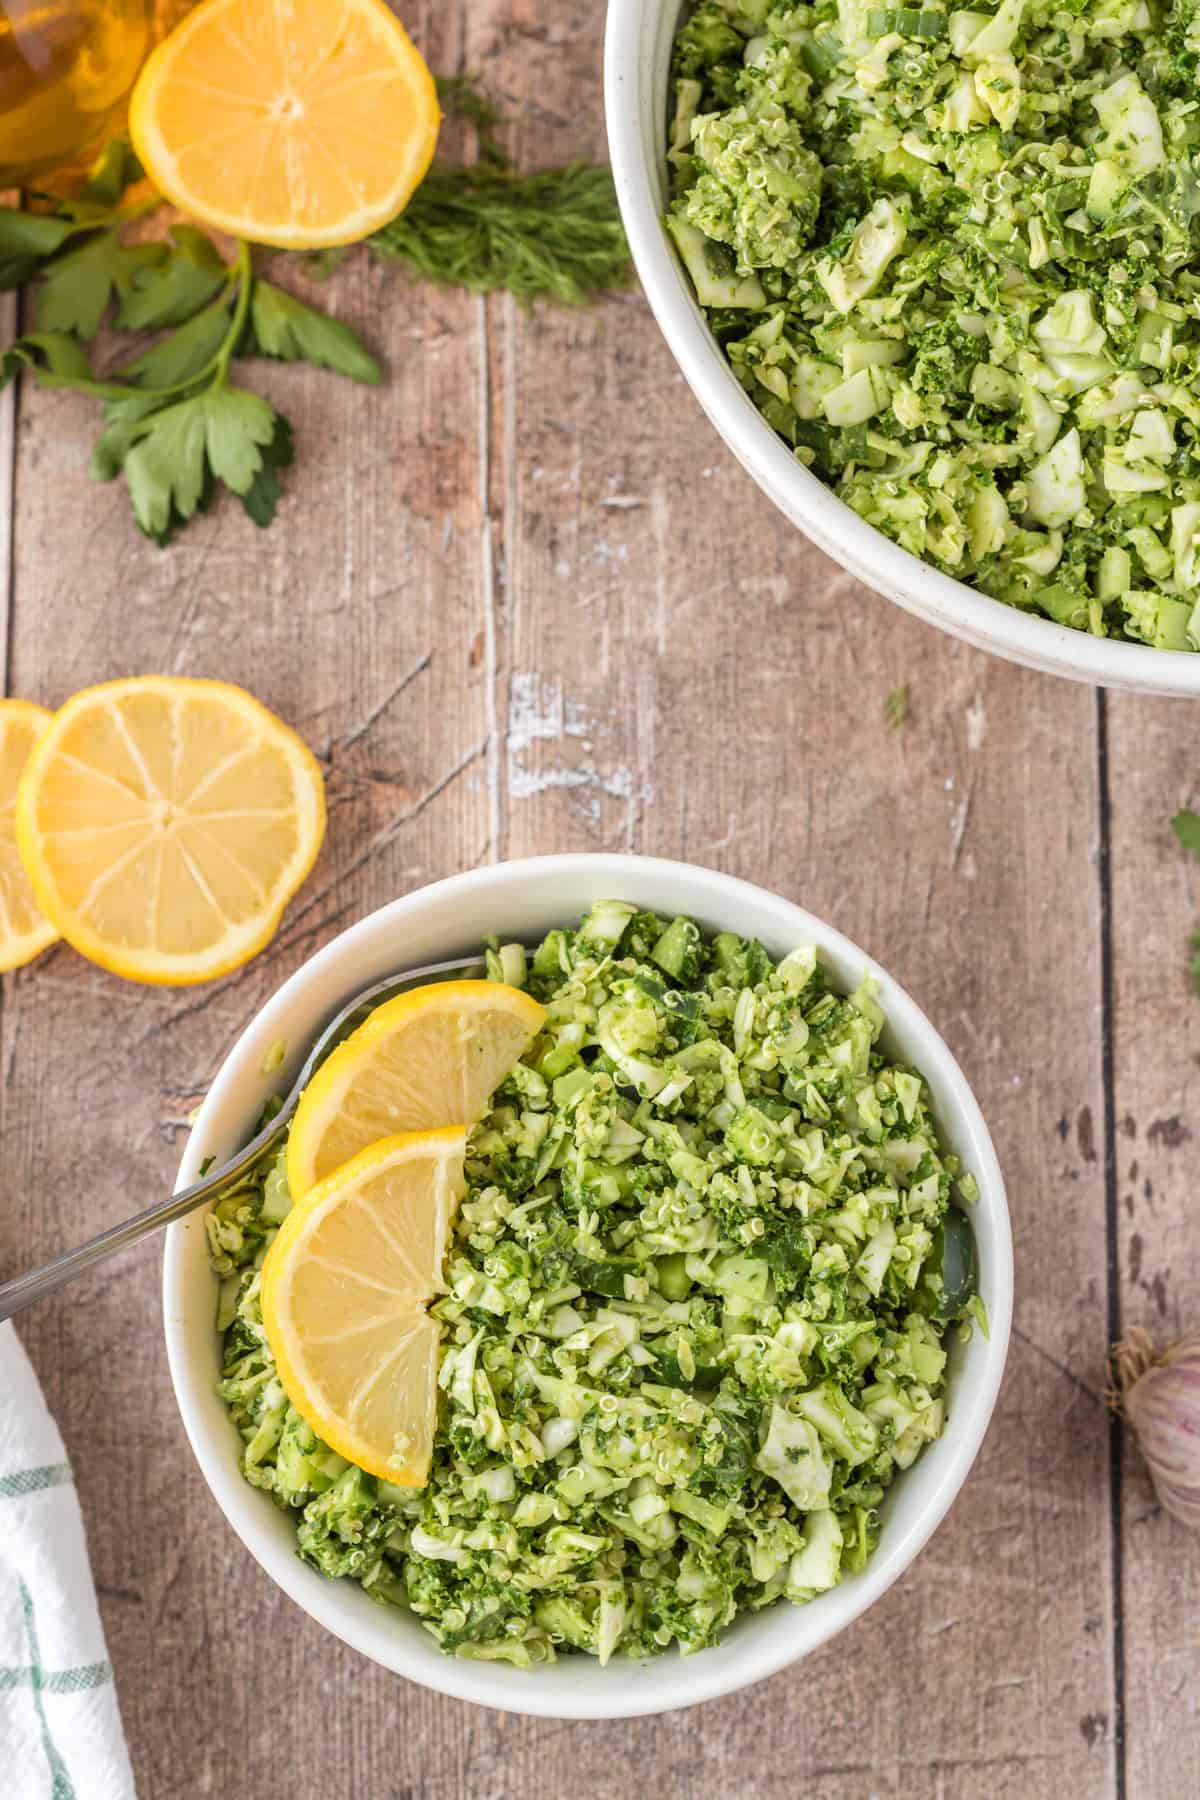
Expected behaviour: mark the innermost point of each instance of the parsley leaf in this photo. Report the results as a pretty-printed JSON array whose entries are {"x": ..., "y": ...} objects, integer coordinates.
[
  {"x": 181, "y": 357},
  {"x": 284, "y": 327},
  {"x": 178, "y": 451},
  {"x": 237, "y": 425},
  {"x": 170, "y": 290},
  {"x": 124, "y": 416},
  {"x": 57, "y": 359},
  {"x": 165, "y": 468},
  {"x": 261, "y": 498},
  {"x": 78, "y": 284},
  {"x": 26, "y": 240}
]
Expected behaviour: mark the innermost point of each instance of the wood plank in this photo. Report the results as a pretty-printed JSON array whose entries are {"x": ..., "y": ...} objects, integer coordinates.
[
  {"x": 753, "y": 741},
  {"x": 1153, "y": 761},
  {"x": 355, "y": 616},
  {"x": 687, "y": 677},
  {"x": 586, "y": 630}
]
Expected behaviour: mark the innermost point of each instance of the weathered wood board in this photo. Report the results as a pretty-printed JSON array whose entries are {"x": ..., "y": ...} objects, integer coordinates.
[{"x": 521, "y": 600}]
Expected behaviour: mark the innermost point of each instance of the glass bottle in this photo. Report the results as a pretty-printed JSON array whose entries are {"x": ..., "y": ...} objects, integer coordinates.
[{"x": 66, "y": 66}]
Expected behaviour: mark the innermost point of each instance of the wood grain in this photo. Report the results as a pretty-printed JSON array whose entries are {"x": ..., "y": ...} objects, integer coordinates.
[
  {"x": 688, "y": 679},
  {"x": 520, "y": 599},
  {"x": 1153, "y": 752}
]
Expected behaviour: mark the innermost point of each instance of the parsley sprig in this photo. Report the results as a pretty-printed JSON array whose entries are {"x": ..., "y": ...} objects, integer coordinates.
[{"x": 176, "y": 424}]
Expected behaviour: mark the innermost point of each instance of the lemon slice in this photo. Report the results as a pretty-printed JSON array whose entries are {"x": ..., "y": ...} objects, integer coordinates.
[
  {"x": 290, "y": 124},
  {"x": 165, "y": 823},
  {"x": 24, "y": 932},
  {"x": 344, "y": 1289},
  {"x": 429, "y": 1058}
]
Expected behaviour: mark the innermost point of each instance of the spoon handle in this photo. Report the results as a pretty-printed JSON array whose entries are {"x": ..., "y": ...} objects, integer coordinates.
[{"x": 23, "y": 1290}]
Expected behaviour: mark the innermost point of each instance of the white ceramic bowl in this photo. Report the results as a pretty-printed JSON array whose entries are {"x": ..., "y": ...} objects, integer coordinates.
[
  {"x": 637, "y": 57},
  {"x": 522, "y": 900}
]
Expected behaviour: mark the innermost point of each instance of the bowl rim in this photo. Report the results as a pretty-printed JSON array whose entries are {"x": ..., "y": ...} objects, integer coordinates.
[
  {"x": 711, "y": 1673},
  {"x": 860, "y": 548}
]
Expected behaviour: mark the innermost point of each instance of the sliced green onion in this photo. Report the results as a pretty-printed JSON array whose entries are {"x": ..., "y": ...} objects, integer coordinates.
[
  {"x": 821, "y": 55},
  {"x": 908, "y": 21}
]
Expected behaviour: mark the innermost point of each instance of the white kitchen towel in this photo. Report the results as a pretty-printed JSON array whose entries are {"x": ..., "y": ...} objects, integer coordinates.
[{"x": 60, "y": 1730}]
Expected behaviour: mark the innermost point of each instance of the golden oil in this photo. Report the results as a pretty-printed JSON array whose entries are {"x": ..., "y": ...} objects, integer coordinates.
[{"x": 66, "y": 68}]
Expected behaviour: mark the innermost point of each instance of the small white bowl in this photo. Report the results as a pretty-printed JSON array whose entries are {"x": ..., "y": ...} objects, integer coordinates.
[
  {"x": 637, "y": 57},
  {"x": 523, "y": 900}
]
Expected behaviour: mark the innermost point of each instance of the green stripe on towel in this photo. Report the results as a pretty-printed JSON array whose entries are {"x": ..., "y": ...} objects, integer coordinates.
[
  {"x": 65, "y": 1681},
  {"x": 61, "y": 1785},
  {"x": 32, "y": 1481}
]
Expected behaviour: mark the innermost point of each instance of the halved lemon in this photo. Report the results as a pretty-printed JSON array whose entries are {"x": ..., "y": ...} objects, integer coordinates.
[
  {"x": 344, "y": 1290},
  {"x": 24, "y": 931},
  {"x": 290, "y": 122},
  {"x": 429, "y": 1058},
  {"x": 164, "y": 824}
]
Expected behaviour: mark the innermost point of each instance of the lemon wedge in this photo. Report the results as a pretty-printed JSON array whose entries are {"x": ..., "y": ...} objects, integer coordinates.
[
  {"x": 432, "y": 1057},
  {"x": 297, "y": 123},
  {"x": 24, "y": 932},
  {"x": 164, "y": 824},
  {"x": 344, "y": 1289}
]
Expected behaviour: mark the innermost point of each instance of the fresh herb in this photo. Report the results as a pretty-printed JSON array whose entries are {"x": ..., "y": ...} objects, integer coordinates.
[
  {"x": 175, "y": 423},
  {"x": 554, "y": 234},
  {"x": 896, "y": 708},
  {"x": 908, "y": 21}
]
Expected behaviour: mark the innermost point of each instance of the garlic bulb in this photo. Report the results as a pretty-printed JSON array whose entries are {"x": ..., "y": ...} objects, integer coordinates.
[{"x": 1159, "y": 1395}]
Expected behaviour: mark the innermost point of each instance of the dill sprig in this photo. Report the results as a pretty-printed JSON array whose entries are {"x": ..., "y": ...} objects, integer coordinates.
[{"x": 552, "y": 234}]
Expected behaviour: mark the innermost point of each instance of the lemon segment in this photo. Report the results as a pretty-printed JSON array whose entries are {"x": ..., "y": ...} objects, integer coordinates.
[
  {"x": 298, "y": 123},
  {"x": 24, "y": 931},
  {"x": 429, "y": 1058},
  {"x": 164, "y": 824},
  {"x": 344, "y": 1288}
]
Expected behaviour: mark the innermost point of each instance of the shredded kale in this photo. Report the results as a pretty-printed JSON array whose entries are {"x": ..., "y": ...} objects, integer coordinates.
[
  {"x": 693, "y": 1322},
  {"x": 954, "y": 257}
]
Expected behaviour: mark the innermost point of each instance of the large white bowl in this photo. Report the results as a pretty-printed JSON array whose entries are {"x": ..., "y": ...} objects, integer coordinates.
[
  {"x": 637, "y": 55},
  {"x": 523, "y": 900}
]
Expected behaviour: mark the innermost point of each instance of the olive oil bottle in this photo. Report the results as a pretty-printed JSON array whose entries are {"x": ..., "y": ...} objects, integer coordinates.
[{"x": 66, "y": 67}]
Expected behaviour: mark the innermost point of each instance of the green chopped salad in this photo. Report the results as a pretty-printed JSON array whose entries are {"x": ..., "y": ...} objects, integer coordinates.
[
  {"x": 697, "y": 1298},
  {"x": 953, "y": 254}
]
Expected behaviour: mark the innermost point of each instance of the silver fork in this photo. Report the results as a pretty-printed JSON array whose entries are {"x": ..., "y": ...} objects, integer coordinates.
[{"x": 25, "y": 1289}]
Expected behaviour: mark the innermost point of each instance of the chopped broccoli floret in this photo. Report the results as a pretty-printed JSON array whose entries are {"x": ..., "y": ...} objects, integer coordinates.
[{"x": 758, "y": 188}]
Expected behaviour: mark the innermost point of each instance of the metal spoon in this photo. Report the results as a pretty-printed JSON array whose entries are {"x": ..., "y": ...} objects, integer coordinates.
[{"x": 25, "y": 1289}]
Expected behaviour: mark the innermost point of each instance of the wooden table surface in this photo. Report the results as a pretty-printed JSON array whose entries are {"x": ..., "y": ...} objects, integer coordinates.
[{"x": 519, "y": 599}]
